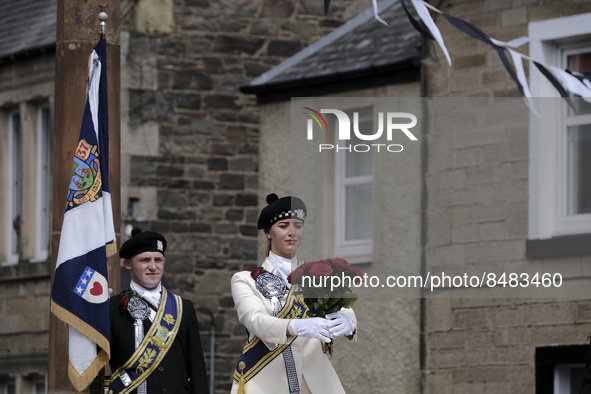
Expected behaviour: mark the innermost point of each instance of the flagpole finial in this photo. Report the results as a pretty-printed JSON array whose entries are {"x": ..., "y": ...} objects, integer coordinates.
[{"x": 102, "y": 16}]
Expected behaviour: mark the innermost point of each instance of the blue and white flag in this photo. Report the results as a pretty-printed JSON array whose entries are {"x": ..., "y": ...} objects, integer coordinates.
[{"x": 80, "y": 294}]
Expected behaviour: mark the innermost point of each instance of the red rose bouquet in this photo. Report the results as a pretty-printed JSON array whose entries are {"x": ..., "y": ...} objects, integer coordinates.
[{"x": 326, "y": 287}]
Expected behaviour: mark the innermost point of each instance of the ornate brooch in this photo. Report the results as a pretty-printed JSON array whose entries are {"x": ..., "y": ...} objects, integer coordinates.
[
  {"x": 271, "y": 287},
  {"x": 138, "y": 308},
  {"x": 127, "y": 294}
]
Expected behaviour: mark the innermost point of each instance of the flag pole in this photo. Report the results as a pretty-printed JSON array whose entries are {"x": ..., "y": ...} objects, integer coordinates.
[
  {"x": 74, "y": 42},
  {"x": 102, "y": 16}
]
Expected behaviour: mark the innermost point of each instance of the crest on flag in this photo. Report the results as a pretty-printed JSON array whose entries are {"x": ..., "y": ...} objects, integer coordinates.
[
  {"x": 86, "y": 175},
  {"x": 80, "y": 293}
]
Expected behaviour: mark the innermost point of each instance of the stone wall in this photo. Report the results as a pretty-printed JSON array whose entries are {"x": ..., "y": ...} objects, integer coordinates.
[
  {"x": 25, "y": 83},
  {"x": 24, "y": 306},
  {"x": 477, "y": 216},
  {"x": 477, "y": 345},
  {"x": 190, "y": 139}
]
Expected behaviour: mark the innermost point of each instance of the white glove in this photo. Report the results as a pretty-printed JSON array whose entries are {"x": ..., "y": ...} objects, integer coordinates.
[
  {"x": 339, "y": 324},
  {"x": 313, "y": 327}
]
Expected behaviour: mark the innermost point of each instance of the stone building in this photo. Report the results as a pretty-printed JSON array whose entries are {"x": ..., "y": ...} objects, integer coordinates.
[
  {"x": 26, "y": 121},
  {"x": 199, "y": 156},
  {"x": 497, "y": 198}
]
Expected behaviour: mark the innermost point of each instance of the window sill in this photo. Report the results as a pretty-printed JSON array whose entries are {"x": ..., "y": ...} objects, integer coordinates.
[
  {"x": 355, "y": 259},
  {"x": 568, "y": 245},
  {"x": 25, "y": 271}
]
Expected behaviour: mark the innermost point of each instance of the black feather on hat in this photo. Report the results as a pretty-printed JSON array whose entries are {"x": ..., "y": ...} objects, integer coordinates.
[
  {"x": 279, "y": 209},
  {"x": 142, "y": 241}
]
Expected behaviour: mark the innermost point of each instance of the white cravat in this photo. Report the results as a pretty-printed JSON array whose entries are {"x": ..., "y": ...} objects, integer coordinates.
[
  {"x": 281, "y": 265},
  {"x": 152, "y": 296}
]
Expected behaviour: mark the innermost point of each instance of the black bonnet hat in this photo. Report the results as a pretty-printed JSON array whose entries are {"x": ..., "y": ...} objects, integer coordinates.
[
  {"x": 279, "y": 209},
  {"x": 142, "y": 241}
]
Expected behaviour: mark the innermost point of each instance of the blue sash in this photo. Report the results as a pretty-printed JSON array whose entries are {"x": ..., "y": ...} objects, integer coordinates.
[
  {"x": 255, "y": 354},
  {"x": 153, "y": 348}
]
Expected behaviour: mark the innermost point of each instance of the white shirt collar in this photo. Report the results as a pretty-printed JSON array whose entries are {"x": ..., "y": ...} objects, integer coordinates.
[
  {"x": 152, "y": 296},
  {"x": 281, "y": 265}
]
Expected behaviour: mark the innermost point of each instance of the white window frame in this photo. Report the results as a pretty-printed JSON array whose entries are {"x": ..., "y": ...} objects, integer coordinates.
[
  {"x": 576, "y": 120},
  {"x": 43, "y": 187},
  {"x": 548, "y": 172},
  {"x": 355, "y": 251},
  {"x": 11, "y": 258}
]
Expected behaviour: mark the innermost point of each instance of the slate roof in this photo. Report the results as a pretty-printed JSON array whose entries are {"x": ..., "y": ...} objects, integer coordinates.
[
  {"x": 27, "y": 25},
  {"x": 362, "y": 46}
]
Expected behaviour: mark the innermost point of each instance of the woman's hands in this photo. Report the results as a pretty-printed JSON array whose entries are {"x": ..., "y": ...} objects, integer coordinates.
[
  {"x": 339, "y": 324},
  {"x": 314, "y": 327},
  {"x": 333, "y": 326}
]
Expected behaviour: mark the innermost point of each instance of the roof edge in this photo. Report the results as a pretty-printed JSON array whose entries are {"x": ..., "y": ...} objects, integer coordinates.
[
  {"x": 322, "y": 42},
  {"x": 29, "y": 52},
  {"x": 343, "y": 75}
]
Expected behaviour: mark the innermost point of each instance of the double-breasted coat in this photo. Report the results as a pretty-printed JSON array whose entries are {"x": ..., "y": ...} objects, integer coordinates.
[
  {"x": 314, "y": 370},
  {"x": 182, "y": 370}
]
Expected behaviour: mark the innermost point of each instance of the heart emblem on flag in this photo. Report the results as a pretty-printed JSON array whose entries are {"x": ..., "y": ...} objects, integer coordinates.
[
  {"x": 91, "y": 286},
  {"x": 97, "y": 289}
]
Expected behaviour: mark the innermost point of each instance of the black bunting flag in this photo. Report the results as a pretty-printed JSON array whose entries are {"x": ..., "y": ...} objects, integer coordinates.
[
  {"x": 579, "y": 76},
  {"x": 556, "y": 83},
  {"x": 475, "y": 32},
  {"x": 416, "y": 24},
  {"x": 562, "y": 81},
  {"x": 326, "y": 4},
  {"x": 566, "y": 82}
]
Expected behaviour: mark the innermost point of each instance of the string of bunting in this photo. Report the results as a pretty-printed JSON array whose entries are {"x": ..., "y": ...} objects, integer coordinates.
[
  {"x": 563, "y": 81},
  {"x": 566, "y": 82}
]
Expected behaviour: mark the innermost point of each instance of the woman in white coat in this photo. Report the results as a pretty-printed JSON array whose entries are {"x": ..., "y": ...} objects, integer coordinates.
[{"x": 284, "y": 351}]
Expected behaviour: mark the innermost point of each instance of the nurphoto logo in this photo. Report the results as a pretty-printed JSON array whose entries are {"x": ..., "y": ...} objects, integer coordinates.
[{"x": 396, "y": 122}]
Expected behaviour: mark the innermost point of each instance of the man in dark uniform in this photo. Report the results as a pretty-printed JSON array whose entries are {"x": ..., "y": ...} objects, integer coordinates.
[{"x": 155, "y": 344}]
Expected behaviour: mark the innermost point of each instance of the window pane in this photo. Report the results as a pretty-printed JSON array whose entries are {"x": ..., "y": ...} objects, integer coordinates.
[
  {"x": 580, "y": 63},
  {"x": 359, "y": 163},
  {"x": 10, "y": 388},
  {"x": 579, "y": 168},
  {"x": 16, "y": 183},
  {"x": 577, "y": 374},
  {"x": 359, "y": 223},
  {"x": 45, "y": 184}
]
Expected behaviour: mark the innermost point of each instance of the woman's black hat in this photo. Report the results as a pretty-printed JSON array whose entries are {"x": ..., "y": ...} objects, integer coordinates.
[
  {"x": 280, "y": 209},
  {"x": 142, "y": 241}
]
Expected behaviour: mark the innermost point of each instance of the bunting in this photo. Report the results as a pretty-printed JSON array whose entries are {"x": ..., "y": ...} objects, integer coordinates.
[{"x": 565, "y": 82}]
